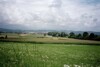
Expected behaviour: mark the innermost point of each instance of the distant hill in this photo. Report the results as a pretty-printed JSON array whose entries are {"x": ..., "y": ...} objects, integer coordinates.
[
  {"x": 5, "y": 30},
  {"x": 44, "y": 31},
  {"x": 9, "y": 30}
]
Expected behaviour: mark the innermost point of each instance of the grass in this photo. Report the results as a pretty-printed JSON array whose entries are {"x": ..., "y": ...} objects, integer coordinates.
[{"x": 16, "y": 54}]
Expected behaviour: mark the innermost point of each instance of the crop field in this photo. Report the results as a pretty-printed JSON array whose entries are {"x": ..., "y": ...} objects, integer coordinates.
[
  {"x": 40, "y": 38},
  {"x": 37, "y": 50},
  {"x": 48, "y": 55}
]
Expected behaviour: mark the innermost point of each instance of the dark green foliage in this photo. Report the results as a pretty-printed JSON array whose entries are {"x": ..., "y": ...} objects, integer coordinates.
[
  {"x": 91, "y": 36},
  {"x": 79, "y": 36},
  {"x": 85, "y": 35},
  {"x": 97, "y": 38},
  {"x": 71, "y": 35},
  {"x": 49, "y": 33},
  {"x": 53, "y": 34},
  {"x": 58, "y": 34},
  {"x": 63, "y": 34}
]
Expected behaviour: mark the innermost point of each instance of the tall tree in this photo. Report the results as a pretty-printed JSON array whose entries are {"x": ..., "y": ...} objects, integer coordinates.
[
  {"x": 79, "y": 36},
  {"x": 71, "y": 35},
  {"x": 91, "y": 36},
  {"x": 63, "y": 34},
  {"x": 85, "y": 35}
]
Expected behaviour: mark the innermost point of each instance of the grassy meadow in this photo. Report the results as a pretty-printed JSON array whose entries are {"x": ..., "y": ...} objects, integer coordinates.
[{"x": 35, "y": 50}]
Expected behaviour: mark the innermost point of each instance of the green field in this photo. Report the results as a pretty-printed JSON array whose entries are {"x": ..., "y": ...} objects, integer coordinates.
[
  {"x": 48, "y": 55},
  {"x": 35, "y": 50}
]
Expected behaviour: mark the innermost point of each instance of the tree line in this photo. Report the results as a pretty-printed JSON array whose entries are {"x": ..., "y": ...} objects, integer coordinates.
[
  {"x": 84, "y": 35},
  {"x": 58, "y": 34}
]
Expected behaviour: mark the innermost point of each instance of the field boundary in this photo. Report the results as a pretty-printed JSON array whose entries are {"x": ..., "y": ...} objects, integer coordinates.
[{"x": 34, "y": 42}]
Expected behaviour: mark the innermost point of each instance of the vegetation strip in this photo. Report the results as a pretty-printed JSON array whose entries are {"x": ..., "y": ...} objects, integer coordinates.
[{"x": 76, "y": 43}]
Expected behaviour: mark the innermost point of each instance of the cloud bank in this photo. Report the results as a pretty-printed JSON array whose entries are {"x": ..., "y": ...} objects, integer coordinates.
[{"x": 50, "y": 14}]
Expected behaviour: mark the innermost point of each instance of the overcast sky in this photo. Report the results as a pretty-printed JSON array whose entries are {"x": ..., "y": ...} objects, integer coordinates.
[{"x": 83, "y": 15}]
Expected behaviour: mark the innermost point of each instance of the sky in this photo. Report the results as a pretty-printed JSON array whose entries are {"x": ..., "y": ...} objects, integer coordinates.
[{"x": 76, "y": 15}]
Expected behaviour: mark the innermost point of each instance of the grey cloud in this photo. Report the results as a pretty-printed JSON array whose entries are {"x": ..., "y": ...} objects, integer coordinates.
[
  {"x": 49, "y": 14},
  {"x": 56, "y": 3}
]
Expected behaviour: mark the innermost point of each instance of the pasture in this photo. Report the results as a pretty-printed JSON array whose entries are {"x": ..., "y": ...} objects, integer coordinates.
[{"x": 48, "y": 55}]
